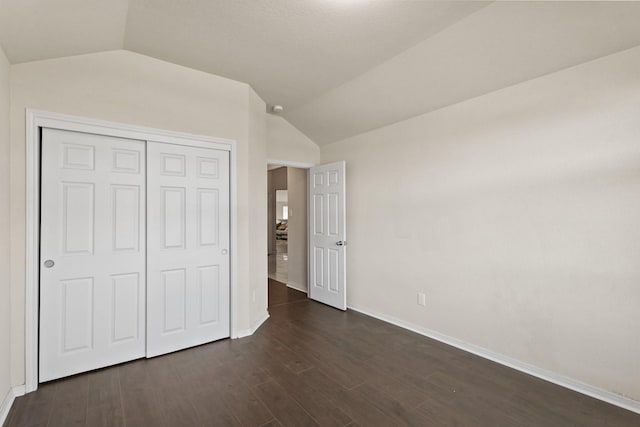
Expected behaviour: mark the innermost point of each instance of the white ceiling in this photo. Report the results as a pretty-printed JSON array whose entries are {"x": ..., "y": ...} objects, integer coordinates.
[
  {"x": 289, "y": 50},
  {"x": 40, "y": 29},
  {"x": 340, "y": 67},
  {"x": 501, "y": 45}
]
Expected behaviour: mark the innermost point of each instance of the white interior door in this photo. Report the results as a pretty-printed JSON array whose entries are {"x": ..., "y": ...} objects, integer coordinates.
[
  {"x": 92, "y": 252},
  {"x": 327, "y": 235},
  {"x": 188, "y": 247}
]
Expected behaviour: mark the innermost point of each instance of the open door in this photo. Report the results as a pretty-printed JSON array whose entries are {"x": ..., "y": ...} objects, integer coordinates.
[{"x": 327, "y": 235}]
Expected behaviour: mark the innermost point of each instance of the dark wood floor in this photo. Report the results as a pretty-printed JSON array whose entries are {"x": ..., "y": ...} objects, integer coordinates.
[
  {"x": 312, "y": 365},
  {"x": 281, "y": 294}
]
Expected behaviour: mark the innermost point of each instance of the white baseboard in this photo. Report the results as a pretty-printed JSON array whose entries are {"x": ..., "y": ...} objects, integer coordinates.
[
  {"x": 297, "y": 287},
  {"x": 250, "y": 331},
  {"x": 553, "y": 377},
  {"x": 5, "y": 407},
  {"x": 263, "y": 318},
  {"x": 242, "y": 333},
  {"x": 19, "y": 390}
]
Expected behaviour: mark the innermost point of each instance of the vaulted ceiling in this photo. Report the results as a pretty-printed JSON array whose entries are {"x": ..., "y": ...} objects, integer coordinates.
[{"x": 339, "y": 67}]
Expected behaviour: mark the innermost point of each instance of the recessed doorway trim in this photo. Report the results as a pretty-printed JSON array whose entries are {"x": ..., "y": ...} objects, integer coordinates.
[
  {"x": 35, "y": 120},
  {"x": 286, "y": 163}
]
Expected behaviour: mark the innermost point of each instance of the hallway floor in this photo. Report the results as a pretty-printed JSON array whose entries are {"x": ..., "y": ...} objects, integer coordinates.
[
  {"x": 308, "y": 365},
  {"x": 279, "y": 262},
  {"x": 279, "y": 293}
]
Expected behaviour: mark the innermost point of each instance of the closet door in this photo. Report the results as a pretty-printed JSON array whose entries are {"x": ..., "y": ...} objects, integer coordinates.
[
  {"x": 187, "y": 247},
  {"x": 92, "y": 252}
]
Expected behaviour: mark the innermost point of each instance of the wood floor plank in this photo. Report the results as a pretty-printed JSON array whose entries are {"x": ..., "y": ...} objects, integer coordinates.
[
  {"x": 33, "y": 409},
  {"x": 320, "y": 354},
  {"x": 70, "y": 402},
  {"x": 176, "y": 407},
  {"x": 407, "y": 395},
  {"x": 68, "y": 413},
  {"x": 104, "y": 403},
  {"x": 139, "y": 394},
  {"x": 286, "y": 410},
  {"x": 388, "y": 405},
  {"x": 279, "y": 293},
  {"x": 20, "y": 415},
  {"x": 211, "y": 409},
  {"x": 242, "y": 401},
  {"x": 311, "y": 397},
  {"x": 105, "y": 416},
  {"x": 361, "y": 410},
  {"x": 142, "y": 407}
]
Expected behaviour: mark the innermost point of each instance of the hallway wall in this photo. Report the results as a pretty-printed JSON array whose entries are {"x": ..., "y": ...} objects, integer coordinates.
[{"x": 298, "y": 233}]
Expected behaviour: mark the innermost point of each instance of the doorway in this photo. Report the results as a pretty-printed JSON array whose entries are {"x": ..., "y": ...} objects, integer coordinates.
[
  {"x": 287, "y": 232},
  {"x": 278, "y": 217},
  {"x": 316, "y": 241}
]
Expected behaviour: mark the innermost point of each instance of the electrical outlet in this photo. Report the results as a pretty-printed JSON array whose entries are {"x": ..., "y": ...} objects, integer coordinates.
[{"x": 422, "y": 299}]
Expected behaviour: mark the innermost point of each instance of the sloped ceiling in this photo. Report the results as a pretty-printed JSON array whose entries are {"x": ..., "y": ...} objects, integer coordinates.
[
  {"x": 31, "y": 30},
  {"x": 339, "y": 67}
]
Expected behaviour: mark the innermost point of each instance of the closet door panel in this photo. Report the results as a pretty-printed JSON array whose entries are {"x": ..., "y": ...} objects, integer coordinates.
[
  {"x": 188, "y": 246},
  {"x": 92, "y": 252}
]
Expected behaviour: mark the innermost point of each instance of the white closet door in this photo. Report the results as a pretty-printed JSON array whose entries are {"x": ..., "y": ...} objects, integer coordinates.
[
  {"x": 92, "y": 252},
  {"x": 188, "y": 247}
]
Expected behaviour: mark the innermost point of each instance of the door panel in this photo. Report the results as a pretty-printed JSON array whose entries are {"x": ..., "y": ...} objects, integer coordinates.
[
  {"x": 209, "y": 286},
  {"x": 327, "y": 235},
  {"x": 174, "y": 298},
  {"x": 126, "y": 203},
  {"x": 188, "y": 247},
  {"x": 77, "y": 314},
  {"x": 92, "y": 298},
  {"x": 126, "y": 306}
]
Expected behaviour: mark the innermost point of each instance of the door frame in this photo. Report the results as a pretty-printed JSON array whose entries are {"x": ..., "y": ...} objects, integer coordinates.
[
  {"x": 35, "y": 120},
  {"x": 299, "y": 165}
]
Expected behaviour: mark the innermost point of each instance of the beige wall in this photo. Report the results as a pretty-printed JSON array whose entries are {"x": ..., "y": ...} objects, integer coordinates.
[
  {"x": 286, "y": 143},
  {"x": 257, "y": 194},
  {"x": 126, "y": 87},
  {"x": 5, "y": 295},
  {"x": 517, "y": 213},
  {"x": 297, "y": 228}
]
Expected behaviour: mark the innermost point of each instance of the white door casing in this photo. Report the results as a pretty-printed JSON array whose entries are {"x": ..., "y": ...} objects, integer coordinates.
[
  {"x": 187, "y": 246},
  {"x": 327, "y": 234},
  {"x": 92, "y": 252}
]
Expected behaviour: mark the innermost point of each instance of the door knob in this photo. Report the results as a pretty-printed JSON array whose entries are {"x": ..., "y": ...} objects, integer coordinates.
[
  {"x": 341, "y": 243},
  {"x": 49, "y": 263},
  {"x": 224, "y": 252}
]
